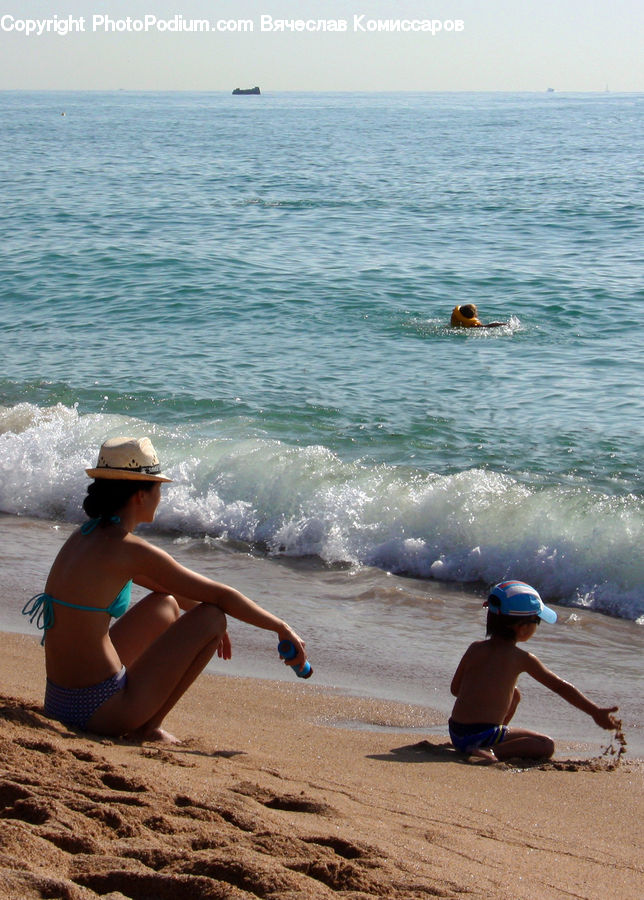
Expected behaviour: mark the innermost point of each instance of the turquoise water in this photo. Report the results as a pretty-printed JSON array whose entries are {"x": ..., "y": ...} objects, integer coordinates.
[{"x": 264, "y": 285}]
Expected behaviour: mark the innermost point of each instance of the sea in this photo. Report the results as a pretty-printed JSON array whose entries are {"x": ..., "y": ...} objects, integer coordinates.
[{"x": 263, "y": 285}]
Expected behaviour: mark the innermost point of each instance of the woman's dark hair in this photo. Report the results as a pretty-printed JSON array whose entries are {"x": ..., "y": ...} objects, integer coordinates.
[
  {"x": 504, "y": 627},
  {"x": 105, "y": 496}
]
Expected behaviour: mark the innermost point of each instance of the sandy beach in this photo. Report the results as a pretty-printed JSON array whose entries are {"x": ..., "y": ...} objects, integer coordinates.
[
  {"x": 372, "y": 634},
  {"x": 286, "y": 790}
]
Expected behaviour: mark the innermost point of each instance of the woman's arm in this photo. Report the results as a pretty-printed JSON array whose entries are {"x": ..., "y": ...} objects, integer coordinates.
[{"x": 157, "y": 570}]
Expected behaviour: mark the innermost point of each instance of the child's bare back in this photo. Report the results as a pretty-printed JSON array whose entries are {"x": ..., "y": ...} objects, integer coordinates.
[{"x": 485, "y": 680}]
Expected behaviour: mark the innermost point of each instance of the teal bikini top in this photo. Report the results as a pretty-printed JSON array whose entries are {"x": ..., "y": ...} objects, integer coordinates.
[{"x": 40, "y": 608}]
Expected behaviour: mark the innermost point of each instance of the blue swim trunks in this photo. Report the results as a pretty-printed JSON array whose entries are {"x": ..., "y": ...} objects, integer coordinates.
[
  {"x": 76, "y": 706},
  {"x": 473, "y": 735}
]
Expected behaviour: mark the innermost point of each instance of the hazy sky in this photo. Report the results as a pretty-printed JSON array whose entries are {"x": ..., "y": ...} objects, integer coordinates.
[{"x": 506, "y": 45}]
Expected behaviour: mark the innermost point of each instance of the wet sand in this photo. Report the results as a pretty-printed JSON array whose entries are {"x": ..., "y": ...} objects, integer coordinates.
[{"x": 284, "y": 790}]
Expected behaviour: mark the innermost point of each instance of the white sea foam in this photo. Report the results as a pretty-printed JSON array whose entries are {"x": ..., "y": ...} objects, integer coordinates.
[{"x": 574, "y": 544}]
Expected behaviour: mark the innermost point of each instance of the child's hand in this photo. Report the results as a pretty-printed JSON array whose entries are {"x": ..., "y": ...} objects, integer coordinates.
[{"x": 604, "y": 717}]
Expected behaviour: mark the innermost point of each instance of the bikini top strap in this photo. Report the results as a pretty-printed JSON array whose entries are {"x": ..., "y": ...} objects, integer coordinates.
[
  {"x": 88, "y": 527},
  {"x": 39, "y": 608}
]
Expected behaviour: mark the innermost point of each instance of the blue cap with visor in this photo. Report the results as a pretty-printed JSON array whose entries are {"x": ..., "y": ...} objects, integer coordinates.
[{"x": 516, "y": 598}]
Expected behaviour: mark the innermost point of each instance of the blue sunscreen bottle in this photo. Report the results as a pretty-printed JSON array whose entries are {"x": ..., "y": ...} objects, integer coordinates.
[{"x": 286, "y": 650}]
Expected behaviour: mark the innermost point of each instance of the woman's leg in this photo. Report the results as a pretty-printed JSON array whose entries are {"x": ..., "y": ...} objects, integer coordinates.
[
  {"x": 526, "y": 744},
  {"x": 142, "y": 624},
  {"x": 161, "y": 673}
]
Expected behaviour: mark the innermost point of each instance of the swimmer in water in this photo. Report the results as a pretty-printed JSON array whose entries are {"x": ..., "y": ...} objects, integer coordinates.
[{"x": 466, "y": 316}]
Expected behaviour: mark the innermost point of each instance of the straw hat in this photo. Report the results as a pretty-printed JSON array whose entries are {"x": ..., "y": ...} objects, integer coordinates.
[{"x": 128, "y": 459}]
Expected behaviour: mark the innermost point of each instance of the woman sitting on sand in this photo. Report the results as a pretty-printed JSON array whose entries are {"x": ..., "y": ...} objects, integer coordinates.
[{"x": 125, "y": 679}]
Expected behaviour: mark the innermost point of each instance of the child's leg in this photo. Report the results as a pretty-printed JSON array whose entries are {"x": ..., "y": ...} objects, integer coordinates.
[
  {"x": 161, "y": 673},
  {"x": 526, "y": 744},
  {"x": 482, "y": 753}
]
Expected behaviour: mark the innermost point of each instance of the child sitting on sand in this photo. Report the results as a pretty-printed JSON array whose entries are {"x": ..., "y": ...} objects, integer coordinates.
[
  {"x": 466, "y": 316},
  {"x": 484, "y": 683}
]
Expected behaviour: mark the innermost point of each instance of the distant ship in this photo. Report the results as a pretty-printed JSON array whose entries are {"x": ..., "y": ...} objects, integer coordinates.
[{"x": 253, "y": 90}]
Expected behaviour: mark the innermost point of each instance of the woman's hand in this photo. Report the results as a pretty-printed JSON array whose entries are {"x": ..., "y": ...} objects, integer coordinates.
[
  {"x": 286, "y": 633},
  {"x": 224, "y": 649}
]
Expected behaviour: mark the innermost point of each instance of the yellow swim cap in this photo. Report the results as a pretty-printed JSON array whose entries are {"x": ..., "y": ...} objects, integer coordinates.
[{"x": 458, "y": 319}]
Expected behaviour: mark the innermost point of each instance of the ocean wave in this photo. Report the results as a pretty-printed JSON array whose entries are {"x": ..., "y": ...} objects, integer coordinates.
[{"x": 578, "y": 546}]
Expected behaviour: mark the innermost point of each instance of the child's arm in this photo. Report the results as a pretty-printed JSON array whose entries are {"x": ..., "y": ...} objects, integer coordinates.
[
  {"x": 455, "y": 686},
  {"x": 601, "y": 715},
  {"x": 514, "y": 702}
]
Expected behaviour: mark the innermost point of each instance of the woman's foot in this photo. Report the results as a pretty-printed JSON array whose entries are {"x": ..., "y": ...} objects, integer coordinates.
[{"x": 148, "y": 734}]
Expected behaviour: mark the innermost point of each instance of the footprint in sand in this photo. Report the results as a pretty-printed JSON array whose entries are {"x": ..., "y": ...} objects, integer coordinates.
[{"x": 286, "y": 802}]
